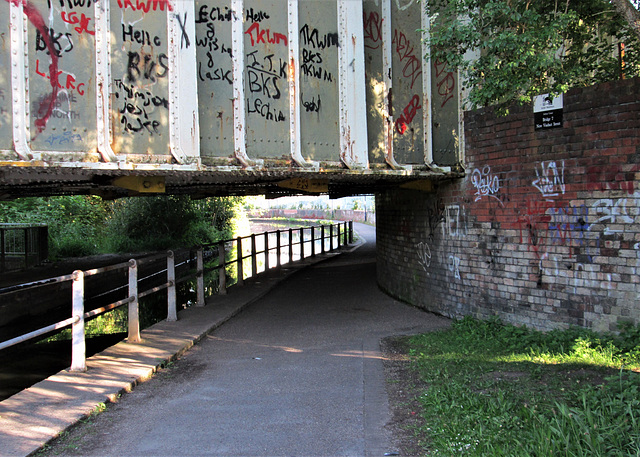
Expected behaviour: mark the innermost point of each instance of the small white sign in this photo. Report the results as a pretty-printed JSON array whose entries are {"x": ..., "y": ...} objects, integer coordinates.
[{"x": 546, "y": 102}]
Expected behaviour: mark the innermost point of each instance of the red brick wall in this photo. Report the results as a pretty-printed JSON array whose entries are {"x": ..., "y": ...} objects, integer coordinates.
[{"x": 543, "y": 230}]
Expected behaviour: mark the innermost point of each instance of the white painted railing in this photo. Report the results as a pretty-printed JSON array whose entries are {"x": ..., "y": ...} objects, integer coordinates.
[{"x": 256, "y": 250}]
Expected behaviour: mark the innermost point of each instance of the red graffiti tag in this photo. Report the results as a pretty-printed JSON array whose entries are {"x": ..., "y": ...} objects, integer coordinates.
[
  {"x": 535, "y": 222},
  {"x": 70, "y": 83},
  {"x": 36, "y": 19},
  {"x": 149, "y": 5},
  {"x": 372, "y": 30},
  {"x": 82, "y": 21},
  {"x": 271, "y": 37},
  {"x": 408, "y": 115},
  {"x": 446, "y": 85},
  {"x": 412, "y": 65}
]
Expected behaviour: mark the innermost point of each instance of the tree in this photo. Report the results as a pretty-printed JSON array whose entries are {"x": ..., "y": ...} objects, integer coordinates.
[
  {"x": 628, "y": 9},
  {"x": 83, "y": 225},
  {"x": 511, "y": 50},
  {"x": 76, "y": 222},
  {"x": 169, "y": 221}
]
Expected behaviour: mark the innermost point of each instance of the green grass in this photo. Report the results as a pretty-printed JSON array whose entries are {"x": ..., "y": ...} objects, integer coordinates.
[{"x": 500, "y": 390}]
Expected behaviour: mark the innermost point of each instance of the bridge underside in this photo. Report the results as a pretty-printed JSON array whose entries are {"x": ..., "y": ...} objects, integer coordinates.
[
  {"x": 16, "y": 182},
  {"x": 222, "y": 97}
]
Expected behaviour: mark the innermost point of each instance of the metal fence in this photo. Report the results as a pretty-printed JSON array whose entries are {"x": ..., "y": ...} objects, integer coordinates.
[
  {"x": 23, "y": 245},
  {"x": 248, "y": 255}
]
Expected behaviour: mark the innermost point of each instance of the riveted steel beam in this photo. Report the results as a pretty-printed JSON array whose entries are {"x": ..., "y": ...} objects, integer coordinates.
[
  {"x": 183, "y": 84},
  {"x": 353, "y": 124}
]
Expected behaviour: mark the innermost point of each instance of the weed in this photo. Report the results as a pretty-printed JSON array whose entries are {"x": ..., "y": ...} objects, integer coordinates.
[{"x": 501, "y": 390}]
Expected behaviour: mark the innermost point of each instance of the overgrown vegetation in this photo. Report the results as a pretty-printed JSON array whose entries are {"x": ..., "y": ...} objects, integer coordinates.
[
  {"x": 500, "y": 390},
  {"x": 511, "y": 50},
  {"x": 86, "y": 225}
]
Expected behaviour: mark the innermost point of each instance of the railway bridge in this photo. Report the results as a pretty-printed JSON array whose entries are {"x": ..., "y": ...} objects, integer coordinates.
[
  {"x": 277, "y": 97},
  {"x": 222, "y": 97}
]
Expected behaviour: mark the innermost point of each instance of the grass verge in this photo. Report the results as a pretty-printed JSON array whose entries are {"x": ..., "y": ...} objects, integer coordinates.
[{"x": 489, "y": 389}]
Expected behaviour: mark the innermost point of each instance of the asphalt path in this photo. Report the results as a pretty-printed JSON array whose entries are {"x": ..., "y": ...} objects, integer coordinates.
[{"x": 298, "y": 373}]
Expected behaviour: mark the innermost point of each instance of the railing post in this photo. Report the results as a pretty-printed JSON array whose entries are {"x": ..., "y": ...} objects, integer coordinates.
[
  {"x": 222, "y": 269},
  {"x": 172, "y": 312},
  {"x": 266, "y": 251},
  {"x": 134, "y": 317},
  {"x": 313, "y": 242},
  {"x": 26, "y": 248},
  {"x": 301, "y": 243},
  {"x": 200, "y": 276},
  {"x": 2, "y": 251},
  {"x": 350, "y": 232},
  {"x": 290, "y": 245},
  {"x": 345, "y": 232},
  {"x": 254, "y": 260},
  {"x": 278, "y": 248},
  {"x": 331, "y": 237},
  {"x": 322, "y": 239},
  {"x": 44, "y": 243},
  {"x": 78, "y": 344},
  {"x": 240, "y": 265},
  {"x": 339, "y": 237}
]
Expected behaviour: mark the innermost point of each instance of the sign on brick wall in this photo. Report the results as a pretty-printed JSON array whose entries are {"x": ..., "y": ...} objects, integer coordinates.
[{"x": 547, "y": 111}]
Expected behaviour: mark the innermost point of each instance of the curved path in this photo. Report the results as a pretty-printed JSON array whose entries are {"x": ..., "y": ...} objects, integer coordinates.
[{"x": 297, "y": 373}]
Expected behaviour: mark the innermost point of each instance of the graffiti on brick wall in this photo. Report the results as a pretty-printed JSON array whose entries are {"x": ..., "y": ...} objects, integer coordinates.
[
  {"x": 424, "y": 255},
  {"x": 486, "y": 183},
  {"x": 533, "y": 224},
  {"x": 435, "y": 216},
  {"x": 454, "y": 266},
  {"x": 455, "y": 225},
  {"x": 456, "y": 222},
  {"x": 449, "y": 261},
  {"x": 550, "y": 178},
  {"x": 580, "y": 227},
  {"x": 568, "y": 225},
  {"x": 613, "y": 213},
  {"x": 489, "y": 185}
]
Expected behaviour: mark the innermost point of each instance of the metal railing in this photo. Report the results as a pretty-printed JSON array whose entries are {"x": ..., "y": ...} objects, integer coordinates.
[
  {"x": 23, "y": 245},
  {"x": 250, "y": 255}
]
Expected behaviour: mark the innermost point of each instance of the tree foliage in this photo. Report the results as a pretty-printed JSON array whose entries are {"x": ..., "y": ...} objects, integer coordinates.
[
  {"x": 74, "y": 222},
  {"x": 511, "y": 50},
  {"x": 83, "y": 225},
  {"x": 163, "y": 222}
]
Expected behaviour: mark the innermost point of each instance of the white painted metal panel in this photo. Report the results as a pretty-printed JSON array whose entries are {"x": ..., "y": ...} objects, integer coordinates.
[
  {"x": 214, "y": 42},
  {"x": 302, "y": 85},
  {"x": 140, "y": 79},
  {"x": 6, "y": 118},
  {"x": 318, "y": 99},
  {"x": 266, "y": 73},
  {"x": 61, "y": 79},
  {"x": 354, "y": 150}
]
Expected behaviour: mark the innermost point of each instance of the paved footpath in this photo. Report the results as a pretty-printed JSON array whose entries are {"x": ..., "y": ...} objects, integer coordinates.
[{"x": 297, "y": 373}]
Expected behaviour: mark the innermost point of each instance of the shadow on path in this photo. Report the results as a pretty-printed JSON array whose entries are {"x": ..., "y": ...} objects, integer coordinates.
[{"x": 299, "y": 372}]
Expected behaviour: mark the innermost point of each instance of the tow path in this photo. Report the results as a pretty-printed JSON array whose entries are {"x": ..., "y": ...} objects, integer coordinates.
[{"x": 297, "y": 373}]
